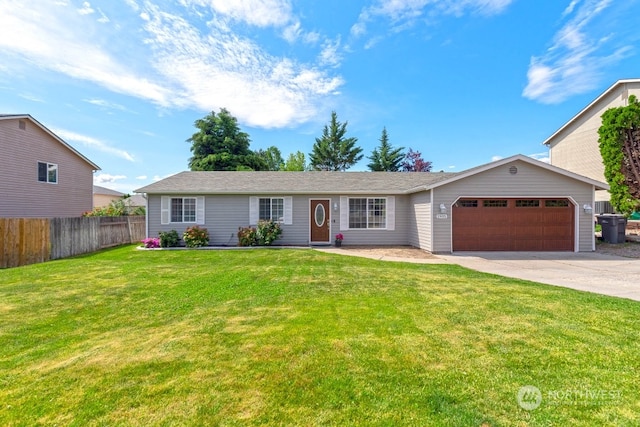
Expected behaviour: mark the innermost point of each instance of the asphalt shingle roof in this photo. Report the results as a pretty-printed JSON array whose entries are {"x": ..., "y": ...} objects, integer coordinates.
[{"x": 312, "y": 182}]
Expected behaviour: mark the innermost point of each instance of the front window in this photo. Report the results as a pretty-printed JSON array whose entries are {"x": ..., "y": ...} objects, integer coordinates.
[
  {"x": 47, "y": 172},
  {"x": 368, "y": 213},
  {"x": 271, "y": 209},
  {"x": 183, "y": 209}
]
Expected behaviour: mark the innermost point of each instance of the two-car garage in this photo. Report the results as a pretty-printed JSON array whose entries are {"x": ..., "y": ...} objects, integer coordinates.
[
  {"x": 513, "y": 224},
  {"x": 513, "y": 204}
]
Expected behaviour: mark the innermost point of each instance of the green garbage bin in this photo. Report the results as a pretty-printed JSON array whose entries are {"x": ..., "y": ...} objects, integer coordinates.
[{"x": 614, "y": 228}]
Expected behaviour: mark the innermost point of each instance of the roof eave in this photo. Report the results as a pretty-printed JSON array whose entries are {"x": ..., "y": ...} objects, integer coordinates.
[
  {"x": 53, "y": 135},
  {"x": 585, "y": 109}
]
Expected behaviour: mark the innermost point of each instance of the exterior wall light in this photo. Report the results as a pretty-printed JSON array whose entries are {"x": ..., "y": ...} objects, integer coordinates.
[
  {"x": 443, "y": 208},
  {"x": 587, "y": 208},
  {"x": 335, "y": 206}
]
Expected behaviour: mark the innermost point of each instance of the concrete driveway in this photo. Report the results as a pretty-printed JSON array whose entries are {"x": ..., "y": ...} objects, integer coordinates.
[{"x": 585, "y": 271}]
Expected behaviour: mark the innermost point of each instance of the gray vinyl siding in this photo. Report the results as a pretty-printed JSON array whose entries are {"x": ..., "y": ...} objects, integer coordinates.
[
  {"x": 420, "y": 220},
  {"x": 398, "y": 236},
  {"x": 224, "y": 214},
  {"x": 22, "y": 194},
  {"x": 530, "y": 181}
]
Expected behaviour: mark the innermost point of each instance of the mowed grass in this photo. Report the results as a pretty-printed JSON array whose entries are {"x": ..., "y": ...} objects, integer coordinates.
[{"x": 300, "y": 337}]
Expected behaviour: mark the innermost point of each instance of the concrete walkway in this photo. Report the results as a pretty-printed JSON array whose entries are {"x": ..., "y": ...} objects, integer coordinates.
[{"x": 585, "y": 271}]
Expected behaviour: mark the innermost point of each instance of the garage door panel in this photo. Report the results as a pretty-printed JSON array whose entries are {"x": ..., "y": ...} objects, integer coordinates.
[{"x": 519, "y": 225}]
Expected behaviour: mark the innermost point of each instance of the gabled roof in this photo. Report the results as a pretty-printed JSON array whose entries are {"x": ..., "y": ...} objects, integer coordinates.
[
  {"x": 53, "y": 135},
  {"x": 332, "y": 182},
  {"x": 519, "y": 157},
  {"x": 106, "y": 191},
  {"x": 311, "y": 182},
  {"x": 613, "y": 88}
]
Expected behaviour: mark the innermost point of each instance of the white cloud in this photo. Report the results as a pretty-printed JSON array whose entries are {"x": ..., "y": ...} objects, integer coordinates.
[
  {"x": 86, "y": 9},
  {"x": 30, "y": 97},
  {"x": 260, "y": 13},
  {"x": 405, "y": 13},
  {"x": 543, "y": 157},
  {"x": 40, "y": 34},
  {"x": 496, "y": 158},
  {"x": 330, "y": 54},
  {"x": 224, "y": 70},
  {"x": 105, "y": 178},
  {"x": 175, "y": 63},
  {"x": 141, "y": 177},
  {"x": 106, "y": 104},
  {"x": 94, "y": 143},
  {"x": 580, "y": 52}
]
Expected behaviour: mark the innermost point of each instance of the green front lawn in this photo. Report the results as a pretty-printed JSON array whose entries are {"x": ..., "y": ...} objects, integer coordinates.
[{"x": 299, "y": 337}]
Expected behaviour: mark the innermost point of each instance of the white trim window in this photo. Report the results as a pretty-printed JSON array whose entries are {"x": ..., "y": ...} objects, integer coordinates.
[
  {"x": 188, "y": 210},
  {"x": 271, "y": 209},
  {"x": 48, "y": 172},
  {"x": 368, "y": 212},
  {"x": 277, "y": 209}
]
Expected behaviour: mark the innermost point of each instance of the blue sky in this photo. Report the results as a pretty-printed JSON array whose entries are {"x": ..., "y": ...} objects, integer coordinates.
[{"x": 462, "y": 81}]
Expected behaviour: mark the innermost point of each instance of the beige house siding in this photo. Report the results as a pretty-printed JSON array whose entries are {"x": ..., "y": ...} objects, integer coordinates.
[
  {"x": 574, "y": 147},
  {"x": 529, "y": 181},
  {"x": 420, "y": 221},
  {"x": 22, "y": 194},
  {"x": 103, "y": 200}
]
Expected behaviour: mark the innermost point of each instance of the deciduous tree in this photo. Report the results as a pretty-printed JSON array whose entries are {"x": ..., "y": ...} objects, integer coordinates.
[
  {"x": 619, "y": 141},
  {"x": 413, "y": 162},
  {"x": 295, "y": 162}
]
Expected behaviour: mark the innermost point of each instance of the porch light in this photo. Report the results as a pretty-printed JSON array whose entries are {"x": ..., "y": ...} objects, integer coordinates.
[
  {"x": 587, "y": 208},
  {"x": 443, "y": 208},
  {"x": 335, "y": 206}
]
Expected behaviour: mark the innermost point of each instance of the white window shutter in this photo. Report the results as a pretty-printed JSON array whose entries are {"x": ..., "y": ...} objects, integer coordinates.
[
  {"x": 253, "y": 210},
  {"x": 344, "y": 213},
  {"x": 391, "y": 213},
  {"x": 200, "y": 210},
  {"x": 288, "y": 210},
  {"x": 165, "y": 202}
]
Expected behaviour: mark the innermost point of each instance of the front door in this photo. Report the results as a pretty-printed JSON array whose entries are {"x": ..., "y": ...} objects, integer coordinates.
[{"x": 320, "y": 225}]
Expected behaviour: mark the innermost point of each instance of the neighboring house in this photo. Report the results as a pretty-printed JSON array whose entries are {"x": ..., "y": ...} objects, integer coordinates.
[
  {"x": 103, "y": 197},
  {"x": 513, "y": 204},
  {"x": 40, "y": 174},
  {"x": 575, "y": 145}
]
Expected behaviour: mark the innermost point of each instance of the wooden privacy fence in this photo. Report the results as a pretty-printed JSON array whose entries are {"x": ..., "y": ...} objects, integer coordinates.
[{"x": 31, "y": 240}]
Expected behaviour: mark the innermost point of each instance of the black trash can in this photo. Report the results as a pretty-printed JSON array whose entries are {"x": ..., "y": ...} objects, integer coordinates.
[{"x": 614, "y": 228}]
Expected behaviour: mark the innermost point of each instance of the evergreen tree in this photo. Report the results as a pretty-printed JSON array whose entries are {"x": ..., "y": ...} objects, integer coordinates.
[
  {"x": 219, "y": 145},
  {"x": 385, "y": 158},
  {"x": 272, "y": 158},
  {"x": 332, "y": 151}
]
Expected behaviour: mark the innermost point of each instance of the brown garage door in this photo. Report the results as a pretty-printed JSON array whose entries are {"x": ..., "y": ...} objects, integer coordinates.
[{"x": 513, "y": 225}]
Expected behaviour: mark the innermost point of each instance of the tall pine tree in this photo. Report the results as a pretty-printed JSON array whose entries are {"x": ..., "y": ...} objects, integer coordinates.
[
  {"x": 385, "y": 158},
  {"x": 332, "y": 151}
]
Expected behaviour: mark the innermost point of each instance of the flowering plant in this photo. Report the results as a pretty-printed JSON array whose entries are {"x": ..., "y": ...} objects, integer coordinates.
[
  {"x": 339, "y": 237},
  {"x": 195, "y": 237},
  {"x": 151, "y": 242}
]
